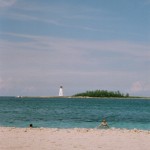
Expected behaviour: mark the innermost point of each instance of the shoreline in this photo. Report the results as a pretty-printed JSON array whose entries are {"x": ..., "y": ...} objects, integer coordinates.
[
  {"x": 79, "y": 97},
  {"x": 13, "y": 138},
  {"x": 80, "y": 128},
  {"x": 96, "y": 129}
]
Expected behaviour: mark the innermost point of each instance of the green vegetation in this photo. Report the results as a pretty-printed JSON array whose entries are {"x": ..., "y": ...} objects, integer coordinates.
[{"x": 102, "y": 93}]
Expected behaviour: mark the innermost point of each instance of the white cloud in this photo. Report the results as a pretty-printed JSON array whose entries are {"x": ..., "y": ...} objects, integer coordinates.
[
  {"x": 40, "y": 61},
  {"x": 24, "y": 17},
  {"x": 137, "y": 86},
  {"x": 142, "y": 86},
  {"x": 135, "y": 49},
  {"x": 60, "y": 16},
  {"x": 67, "y": 50},
  {"x": 5, "y": 83},
  {"x": 7, "y": 3}
]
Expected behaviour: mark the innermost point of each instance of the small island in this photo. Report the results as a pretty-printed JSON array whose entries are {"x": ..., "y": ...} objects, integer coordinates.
[{"x": 102, "y": 93}]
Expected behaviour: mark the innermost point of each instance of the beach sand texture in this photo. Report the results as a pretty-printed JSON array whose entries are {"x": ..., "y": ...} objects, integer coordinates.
[{"x": 73, "y": 139}]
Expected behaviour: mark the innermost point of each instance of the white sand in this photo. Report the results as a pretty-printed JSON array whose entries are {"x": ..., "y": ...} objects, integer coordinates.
[{"x": 73, "y": 139}]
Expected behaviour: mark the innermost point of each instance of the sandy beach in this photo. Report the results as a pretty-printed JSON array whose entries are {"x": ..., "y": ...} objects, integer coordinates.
[{"x": 73, "y": 139}]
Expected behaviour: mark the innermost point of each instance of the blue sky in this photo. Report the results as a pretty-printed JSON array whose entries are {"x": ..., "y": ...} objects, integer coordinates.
[{"x": 82, "y": 45}]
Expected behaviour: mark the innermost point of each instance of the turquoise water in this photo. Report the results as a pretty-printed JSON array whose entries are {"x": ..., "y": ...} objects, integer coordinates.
[{"x": 74, "y": 113}]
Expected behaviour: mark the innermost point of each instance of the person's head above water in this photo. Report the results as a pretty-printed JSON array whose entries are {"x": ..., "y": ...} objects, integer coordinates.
[{"x": 31, "y": 125}]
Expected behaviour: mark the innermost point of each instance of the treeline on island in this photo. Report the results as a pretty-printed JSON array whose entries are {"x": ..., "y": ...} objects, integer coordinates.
[{"x": 102, "y": 93}]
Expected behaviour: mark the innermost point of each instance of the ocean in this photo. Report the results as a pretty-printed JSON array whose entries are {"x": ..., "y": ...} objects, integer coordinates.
[{"x": 74, "y": 112}]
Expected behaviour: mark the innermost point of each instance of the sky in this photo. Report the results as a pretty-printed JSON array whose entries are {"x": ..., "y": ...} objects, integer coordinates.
[{"x": 82, "y": 45}]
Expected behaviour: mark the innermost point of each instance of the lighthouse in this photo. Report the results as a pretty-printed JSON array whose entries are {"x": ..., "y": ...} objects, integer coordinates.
[{"x": 61, "y": 91}]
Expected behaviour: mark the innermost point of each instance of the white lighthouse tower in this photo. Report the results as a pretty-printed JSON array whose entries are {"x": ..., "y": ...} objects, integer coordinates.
[{"x": 61, "y": 91}]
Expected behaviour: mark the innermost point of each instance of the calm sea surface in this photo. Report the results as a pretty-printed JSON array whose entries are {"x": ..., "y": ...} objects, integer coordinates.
[{"x": 74, "y": 113}]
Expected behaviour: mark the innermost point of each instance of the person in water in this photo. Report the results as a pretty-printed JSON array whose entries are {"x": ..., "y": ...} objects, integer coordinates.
[
  {"x": 30, "y": 125},
  {"x": 103, "y": 124}
]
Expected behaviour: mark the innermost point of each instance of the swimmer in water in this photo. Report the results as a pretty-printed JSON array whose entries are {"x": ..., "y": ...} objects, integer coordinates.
[{"x": 103, "y": 124}]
